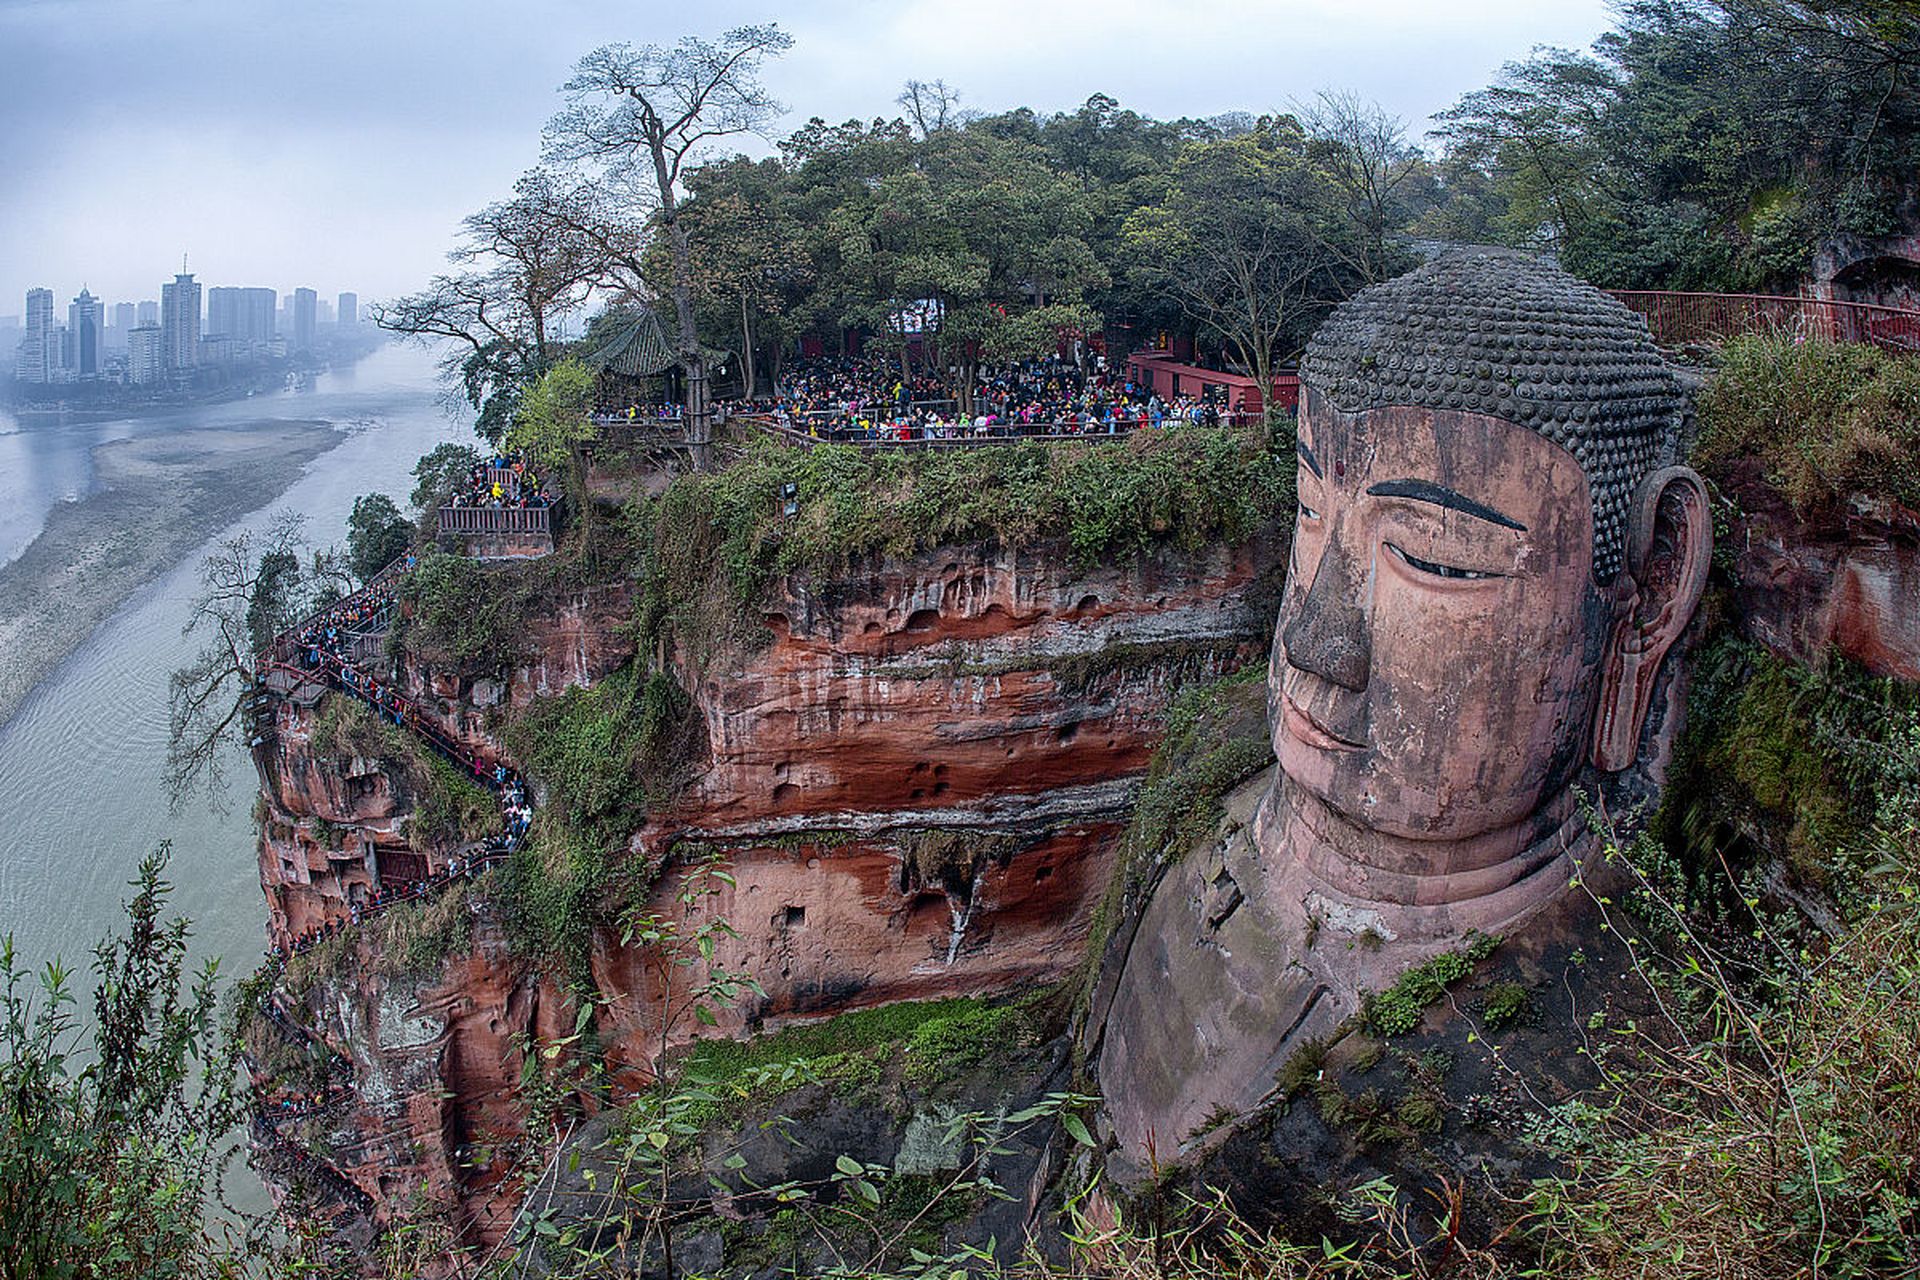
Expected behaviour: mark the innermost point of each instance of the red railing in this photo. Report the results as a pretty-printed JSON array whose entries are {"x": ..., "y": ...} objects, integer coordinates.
[
  {"x": 963, "y": 437},
  {"x": 1679, "y": 318}
]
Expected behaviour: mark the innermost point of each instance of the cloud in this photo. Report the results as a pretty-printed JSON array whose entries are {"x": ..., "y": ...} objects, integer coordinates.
[{"x": 339, "y": 144}]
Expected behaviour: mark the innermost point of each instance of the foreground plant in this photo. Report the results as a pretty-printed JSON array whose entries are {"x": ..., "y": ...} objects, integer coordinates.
[{"x": 112, "y": 1145}]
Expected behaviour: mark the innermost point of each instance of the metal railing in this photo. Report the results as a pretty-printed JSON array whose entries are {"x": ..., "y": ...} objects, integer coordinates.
[{"x": 1677, "y": 318}]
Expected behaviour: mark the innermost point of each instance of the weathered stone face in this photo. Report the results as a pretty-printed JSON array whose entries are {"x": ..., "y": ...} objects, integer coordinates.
[
  {"x": 1433, "y": 668},
  {"x": 1491, "y": 561}
]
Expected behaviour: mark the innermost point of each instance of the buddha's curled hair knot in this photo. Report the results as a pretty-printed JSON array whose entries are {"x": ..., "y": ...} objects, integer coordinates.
[{"x": 1510, "y": 335}]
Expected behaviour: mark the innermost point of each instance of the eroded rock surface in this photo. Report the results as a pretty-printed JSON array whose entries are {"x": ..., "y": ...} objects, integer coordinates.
[{"x": 917, "y": 785}]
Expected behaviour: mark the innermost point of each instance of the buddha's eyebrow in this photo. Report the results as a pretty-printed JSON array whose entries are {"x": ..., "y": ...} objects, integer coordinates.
[
  {"x": 1306, "y": 456},
  {"x": 1441, "y": 496}
]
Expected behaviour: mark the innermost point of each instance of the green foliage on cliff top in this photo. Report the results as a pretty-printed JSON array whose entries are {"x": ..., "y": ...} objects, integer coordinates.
[
  {"x": 714, "y": 544},
  {"x": 1824, "y": 420},
  {"x": 460, "y": 612}
]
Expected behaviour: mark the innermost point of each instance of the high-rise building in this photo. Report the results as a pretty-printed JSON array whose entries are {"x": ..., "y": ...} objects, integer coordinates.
[
  {"x": 124, "y": 318},
  {"x": 146, "y": 354},
  {"x": 39, "y": 352},
  {"x": 347, "y": 310},
  {"x": 83, "y": 334},
  {"x": 304, "y": 315},
  {"x": 180, "y": 321},
  {"x": 245, "y": 315},
  {"x": 148, "y": 313}
]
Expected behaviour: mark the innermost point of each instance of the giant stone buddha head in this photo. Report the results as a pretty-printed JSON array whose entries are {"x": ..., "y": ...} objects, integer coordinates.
[
  {"x": 1493, "y": 550},
  {"x": 1493, "y": 555}
]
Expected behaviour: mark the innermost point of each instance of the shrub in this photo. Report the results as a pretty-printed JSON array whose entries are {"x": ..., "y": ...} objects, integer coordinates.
[
  {"x": 448, "y": 806},
  {"x": 609, "y": 753},
  {"x": 1824, "y": 420},
  {"x": 1397, "y": 1010},
  {"x": 1807, "y": 765},
  {"x": 1757, "y": 1137},
  {"x": 460, "y": 612}
]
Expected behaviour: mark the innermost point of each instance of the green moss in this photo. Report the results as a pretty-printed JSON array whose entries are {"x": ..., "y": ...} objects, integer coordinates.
[
  {"x": 448, "y": 807},
  {"x": 418, "y": 938},
  {"x": 1783, "y": 761},
  {"x": 931, "y": 1041},
  {"x": 550, "y": 894},
  {"x": 1302, "y": 1068},
  {"x": 950, "y": 858},
  {"x": 462, "y": 613},
  {"x": 1398, "y": 1009},
  {"x": 1825, "y": 421},
  {"x": 1421, "y": 1112},
  {"x": 608, "y": 755},
  {"x": 1507, "y": 1003},
  {"x": 1216, "y": 739}
]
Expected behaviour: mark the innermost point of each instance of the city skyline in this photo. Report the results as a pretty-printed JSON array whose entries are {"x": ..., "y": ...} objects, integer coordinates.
[
  {"x": 192, "y": 324},
  {"x": 368, "y": 182}
]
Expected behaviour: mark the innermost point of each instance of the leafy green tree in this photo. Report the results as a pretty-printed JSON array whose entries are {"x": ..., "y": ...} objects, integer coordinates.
[
  {"x": 1704, "y": 144},
  {"x": 968, "y": 241},
  {"x": 555, "y": 427},
  {"x": 645, "y": 115},
  {"x": 251, "y": 590},
  {"x": 523, "y": 265},
  {"x": 752, "y": 260},
  {"x": 440, "y": 472},
  {"x": 1250, "y": 241},
  {"x": 377, "y": 534},
  {"x": 112, "y": 1144}
]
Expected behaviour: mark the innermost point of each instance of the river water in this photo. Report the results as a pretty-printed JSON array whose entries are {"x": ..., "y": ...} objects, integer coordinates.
[{"x": 81, "y": 762}]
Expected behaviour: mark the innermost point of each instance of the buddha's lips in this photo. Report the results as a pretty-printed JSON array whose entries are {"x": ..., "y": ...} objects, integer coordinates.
[{"x": 1310, "y": 731}]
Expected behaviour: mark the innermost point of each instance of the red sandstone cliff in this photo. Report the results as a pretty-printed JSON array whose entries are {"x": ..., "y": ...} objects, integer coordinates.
[
  {"x": 1844, "y": 582},
  {"x": 917, "y": 785}
]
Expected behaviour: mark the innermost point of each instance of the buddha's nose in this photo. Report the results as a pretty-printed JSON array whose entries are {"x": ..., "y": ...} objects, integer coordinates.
[{"x": 1328, "y": 633}]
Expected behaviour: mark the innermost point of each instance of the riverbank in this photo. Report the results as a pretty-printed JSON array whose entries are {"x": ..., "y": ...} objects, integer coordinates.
[{"x": 159, "y": 496}]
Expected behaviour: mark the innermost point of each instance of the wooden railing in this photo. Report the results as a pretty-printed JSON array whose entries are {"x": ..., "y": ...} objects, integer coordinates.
[
  {"x": 477, "y": 520},
  {"x": 1676, "y": 319}
]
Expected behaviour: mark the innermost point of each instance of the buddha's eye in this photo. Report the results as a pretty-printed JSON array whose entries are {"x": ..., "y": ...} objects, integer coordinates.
[
  {"x": 1308, "y": 513},
  {"x": 1439, "y": 570}
]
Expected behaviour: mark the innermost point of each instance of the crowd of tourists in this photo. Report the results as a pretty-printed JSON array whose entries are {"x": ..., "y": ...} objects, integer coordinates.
[
  {"x": 366, "y": 611},
  {"x": 324, "y": 644},
  {"x": 867, "y": 399},
  {"x": 502, "y": 481}
]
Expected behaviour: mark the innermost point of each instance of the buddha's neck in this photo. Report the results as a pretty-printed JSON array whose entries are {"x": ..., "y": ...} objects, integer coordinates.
[{"x": 1366, "y": 866}]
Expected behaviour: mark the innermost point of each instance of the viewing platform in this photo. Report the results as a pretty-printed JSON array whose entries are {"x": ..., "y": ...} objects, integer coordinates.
[{"x": 508, "y": 526}]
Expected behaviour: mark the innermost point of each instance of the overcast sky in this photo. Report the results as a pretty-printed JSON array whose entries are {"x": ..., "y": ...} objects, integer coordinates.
[{"x": 337, "y": 143}]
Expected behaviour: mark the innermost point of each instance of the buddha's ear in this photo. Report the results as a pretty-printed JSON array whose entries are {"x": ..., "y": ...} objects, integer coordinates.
[{"x": 1669, "y": 546}]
